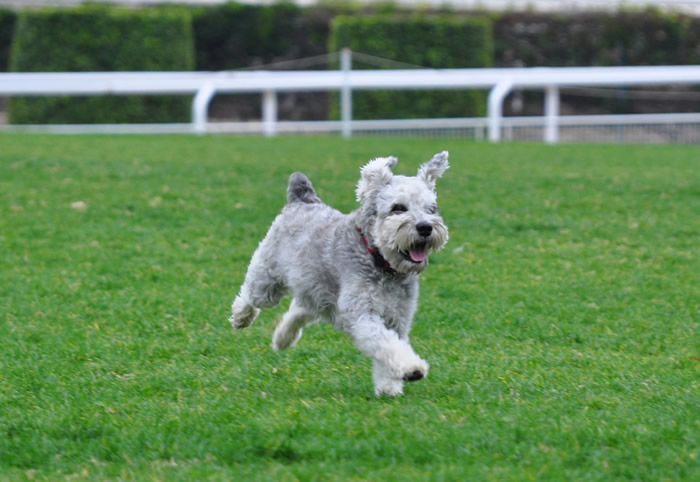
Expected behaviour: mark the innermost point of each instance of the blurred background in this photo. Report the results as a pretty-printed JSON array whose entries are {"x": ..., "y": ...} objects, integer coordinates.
[{"x": 213, "y": 35}]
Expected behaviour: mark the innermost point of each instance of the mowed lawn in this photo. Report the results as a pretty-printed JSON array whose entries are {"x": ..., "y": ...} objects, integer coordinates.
[{"x": 560, "y": 321}]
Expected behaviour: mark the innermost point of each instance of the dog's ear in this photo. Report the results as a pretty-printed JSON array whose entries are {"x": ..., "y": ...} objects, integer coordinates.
[
  {"x": 434, "y": 168},
  {"x": 374, "y": 174}
]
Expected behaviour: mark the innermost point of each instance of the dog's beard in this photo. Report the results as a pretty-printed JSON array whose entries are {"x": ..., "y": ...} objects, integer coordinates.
[{"x": 401, "y": 245}]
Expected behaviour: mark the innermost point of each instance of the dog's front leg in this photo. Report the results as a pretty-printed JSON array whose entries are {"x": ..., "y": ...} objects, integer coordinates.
[{"x": 393, "y": 359}]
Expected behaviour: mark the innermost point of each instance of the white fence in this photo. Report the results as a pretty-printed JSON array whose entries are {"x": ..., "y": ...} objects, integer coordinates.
[{"x": 500, "y": 82}]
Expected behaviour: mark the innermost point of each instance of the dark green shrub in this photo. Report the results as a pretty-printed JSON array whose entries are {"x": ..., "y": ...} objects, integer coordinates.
[
  {"x": 624, "y": 38},
  {"x": 234, "y": 36},
  {"x": 590, "y": 38},
  {"x": 7, "y": 28},
  {"x": 641, "y": 38},
  {"x": 432, "y": 41},
  {"x": 541, "y": 39},
  {"x": 691, "y": 41},
  {"x": 101, "y": 39}
]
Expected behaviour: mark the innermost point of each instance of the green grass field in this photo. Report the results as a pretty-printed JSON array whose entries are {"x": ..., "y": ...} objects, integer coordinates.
[{"x": 560, "y": 322}]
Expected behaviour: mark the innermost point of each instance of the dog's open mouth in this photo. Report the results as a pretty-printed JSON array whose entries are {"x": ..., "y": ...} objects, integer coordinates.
[{"x": 417, "y": 254}]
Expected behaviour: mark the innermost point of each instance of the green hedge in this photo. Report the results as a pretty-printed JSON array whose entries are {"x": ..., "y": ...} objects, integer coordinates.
[
  {"x": 531, "y": 39},
  {"x": 7, "y": 28},
  {"x": 432, "y": 41},
  {"x": 583, "y": 39},
  {"x": 691, "y": 41},
  {"x": 101, "y": 39},
  {"x": 233, "y": 36}
]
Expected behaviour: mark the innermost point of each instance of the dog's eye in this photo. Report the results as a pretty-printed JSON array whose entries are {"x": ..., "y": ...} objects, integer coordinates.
[
  {"x": 433, "y": 209},
  {"x": 399, "y": 208}
]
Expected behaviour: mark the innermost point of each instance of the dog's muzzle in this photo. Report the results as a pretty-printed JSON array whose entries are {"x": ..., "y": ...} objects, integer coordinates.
[
  {"x": 424, "y": 229},
  {"x": 417, "y": 253}
]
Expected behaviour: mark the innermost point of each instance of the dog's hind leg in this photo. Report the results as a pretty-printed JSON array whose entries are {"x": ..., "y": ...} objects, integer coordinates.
[
  {"x": 289, "y": 329},
  {"x": 261, "y": 289},
  {"x": 252, "y": 298},
  {"x": 243, "y": 314}
]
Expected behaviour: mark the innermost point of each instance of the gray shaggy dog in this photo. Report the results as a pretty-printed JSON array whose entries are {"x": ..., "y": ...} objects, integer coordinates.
[{"x": 357, "y": 271}]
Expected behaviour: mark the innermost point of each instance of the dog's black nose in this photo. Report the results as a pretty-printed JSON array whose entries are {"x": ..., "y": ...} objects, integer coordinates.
[{"x": 424, "y": 229}]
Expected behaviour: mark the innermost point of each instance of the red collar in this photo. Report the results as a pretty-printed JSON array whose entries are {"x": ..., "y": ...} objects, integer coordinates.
[
  {"x": 364, "y": 240},
  {"x": 379, "y": 260}
]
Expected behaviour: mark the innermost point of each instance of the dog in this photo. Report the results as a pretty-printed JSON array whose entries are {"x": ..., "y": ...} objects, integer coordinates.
[{"x": 357, "y": 271}]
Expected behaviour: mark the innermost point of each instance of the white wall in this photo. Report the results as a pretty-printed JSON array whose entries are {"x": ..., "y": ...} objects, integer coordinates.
[{"x": 689, "y": 6}]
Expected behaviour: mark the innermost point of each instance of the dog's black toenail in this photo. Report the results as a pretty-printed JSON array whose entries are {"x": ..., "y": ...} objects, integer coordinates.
[{"x": 413, "y": 376}]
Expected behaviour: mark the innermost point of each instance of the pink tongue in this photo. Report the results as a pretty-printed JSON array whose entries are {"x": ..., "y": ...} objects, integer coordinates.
[{"x": 417, "y": 256}]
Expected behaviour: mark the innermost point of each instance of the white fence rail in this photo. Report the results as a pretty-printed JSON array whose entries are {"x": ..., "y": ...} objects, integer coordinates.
[{"x": 205, "y": 85}]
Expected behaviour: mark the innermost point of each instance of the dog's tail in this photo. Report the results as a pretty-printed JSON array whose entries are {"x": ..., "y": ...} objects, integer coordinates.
[{"x": 301, "y": 190}]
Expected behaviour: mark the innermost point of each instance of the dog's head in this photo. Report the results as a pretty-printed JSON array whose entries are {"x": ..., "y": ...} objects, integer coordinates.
[{"x": 400, "y": 214}]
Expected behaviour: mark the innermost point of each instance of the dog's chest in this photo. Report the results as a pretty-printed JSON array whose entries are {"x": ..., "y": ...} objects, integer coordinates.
[{"x": 394, "y": 302}]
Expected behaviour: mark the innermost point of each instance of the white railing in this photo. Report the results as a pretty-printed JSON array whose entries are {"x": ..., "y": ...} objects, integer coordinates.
[{"x": 205, "y": 85}]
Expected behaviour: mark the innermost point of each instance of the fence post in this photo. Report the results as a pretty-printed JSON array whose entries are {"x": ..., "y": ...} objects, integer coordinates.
[
  {"x": 346, "y": 93},
  {"x": 269, "y": 113},
  {"x": 551, "y": 113},
  {"x": 200, "y": 106},
  {"x": 495, "y": 108}
]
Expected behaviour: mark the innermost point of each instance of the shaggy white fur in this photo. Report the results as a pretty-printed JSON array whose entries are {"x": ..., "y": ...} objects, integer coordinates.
[{"x": 357, "y": 271}]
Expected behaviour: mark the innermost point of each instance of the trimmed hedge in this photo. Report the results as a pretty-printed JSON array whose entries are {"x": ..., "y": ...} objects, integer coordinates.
[
  {"x": 691, "y": 41},
  {"x": 8, "y": 19},
  {"x": 530, "y": 39},
  {"x": 587, "y": 39},
  {"x": 96, "y": 38},
  {"x": 432, "y": 41},
  {"x": 233, "y": 36}
]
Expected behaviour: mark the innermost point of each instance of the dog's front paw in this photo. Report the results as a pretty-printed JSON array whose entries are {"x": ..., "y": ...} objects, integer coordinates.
[
  {"x": 391, "y": 388},
  {"x": 418, "y": 371},
  {"x": 413, "y": 376},
  {"x": 408, "y": 366},
  {"x": 384, "y": 383}
]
